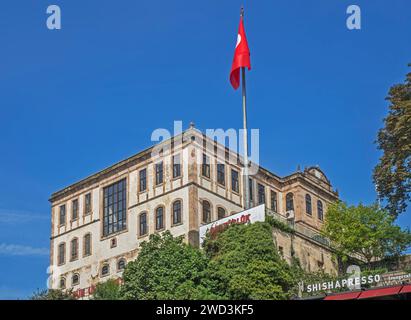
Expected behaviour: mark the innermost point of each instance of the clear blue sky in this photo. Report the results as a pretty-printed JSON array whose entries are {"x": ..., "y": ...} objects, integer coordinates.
[{"x": 77, "y": 100}]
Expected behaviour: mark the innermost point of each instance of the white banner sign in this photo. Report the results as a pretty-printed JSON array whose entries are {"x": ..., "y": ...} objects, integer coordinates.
[{"x": 247, "y": 216}]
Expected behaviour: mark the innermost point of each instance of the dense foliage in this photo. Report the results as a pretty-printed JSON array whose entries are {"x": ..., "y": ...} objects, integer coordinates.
[
  {"x": 240, "y": 263},
  {"x": 108, "y": 290},
  {"x": 244, "y": 264},
  {"x": 366, "y": 231},
  {"x": 52, "y": 294},
  {"x": 392, "y": 175},
  {"x": 166, "y": 268}
]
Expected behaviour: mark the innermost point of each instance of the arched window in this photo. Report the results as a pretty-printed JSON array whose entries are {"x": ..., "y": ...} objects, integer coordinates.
[
  {"x": 289, "y": 201},
  {"x": 105, "y": 270},
  {"x": 206, "y": 211},
  {"x": 75, "y": 279},
  {"x": 87, "y": 245},
  {"x": 308, "y": 208},
  {"x": 74, "y": 249},
  {"x": 61, "y": 255},
  {"x": 320, "y": 212},
  {"x": 121, "y": 264},
  {"x": 177, "y": 212},
  {"x": 143, "y": 229},
  {"x": 159, "y": 218},
  {"x": 220, "y": 212},
  {"x": 62, "y": 283}
]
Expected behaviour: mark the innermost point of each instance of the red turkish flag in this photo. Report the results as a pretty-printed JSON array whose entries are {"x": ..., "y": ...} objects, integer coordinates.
[{"x": 241, "y": 56}]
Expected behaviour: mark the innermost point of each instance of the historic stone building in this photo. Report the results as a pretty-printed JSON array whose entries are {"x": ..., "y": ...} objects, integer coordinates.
[{"x": 99, "y": 222}]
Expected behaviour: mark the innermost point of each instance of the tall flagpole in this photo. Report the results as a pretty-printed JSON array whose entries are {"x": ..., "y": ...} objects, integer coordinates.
[{"x": 245, "y": 136}]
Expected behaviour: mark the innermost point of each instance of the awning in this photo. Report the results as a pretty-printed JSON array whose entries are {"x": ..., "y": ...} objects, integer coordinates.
[
  {"x": 406, "y": 289},
  {"x": 373, "y": 293},
  {"x": 344, "y": 296}
]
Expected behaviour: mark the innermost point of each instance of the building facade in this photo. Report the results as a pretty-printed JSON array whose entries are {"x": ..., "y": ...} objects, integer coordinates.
[{"x": 99, "y": 223}]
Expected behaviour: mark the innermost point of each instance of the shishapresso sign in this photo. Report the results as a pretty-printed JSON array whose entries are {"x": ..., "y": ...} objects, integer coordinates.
[
  {"x": 343, "y": 283},
  {"x": 248, "y": 216}
]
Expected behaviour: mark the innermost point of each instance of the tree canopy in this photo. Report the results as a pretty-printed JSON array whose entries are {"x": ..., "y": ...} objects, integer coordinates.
[
  {"x": 366, "y": 231},
  {"x": 166, "y": 268},
  {"x": 392, "y": 175}
]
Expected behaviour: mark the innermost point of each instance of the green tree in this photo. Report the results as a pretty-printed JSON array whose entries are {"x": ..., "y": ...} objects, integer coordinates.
[
  {"x": 52, "y": 294},
  {"x": 392, "y": 175},
  {"x": 244, "y": 264},
  {"x": 108, "y": 290},
  {"x": 166, "y": 268},
  {"x": 366, "y": 231}
]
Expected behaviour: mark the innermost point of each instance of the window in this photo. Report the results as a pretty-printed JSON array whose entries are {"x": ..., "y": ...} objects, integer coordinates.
[
  {"x": 250, "y": 188},
  {"x": 159, "y": 218},
  {"x": 74, "y": 210},
  {"x": 87, "y": 245},
  {"x": 105, "y": 270},
  {"x": 159, "y": 173},
  {"x": 177, "y": 212},
  {"x": 62, "y": 215},
  {"x": 61, "y": 256},
  {"x": 121, "y": 264},
  {"x": 320, "y": 210},
  {"x": 74, "y": 249},
  {"x": 143, "y": 224},
  {"x": 274, "y": 201},
  {"x": 308, "y": 208},
  {"x": 143, "y": 180},
  {"x": 87, "y": 204},
  {"x": 75, "y": 279},
  {"x": 289, "y": 202},
  {"x": 114, "y": 214},
  {"x": 205, "y": 168},
  {"x": 221, "y": 173},
  {"x": 62, "y": 283},
  {"x": 261, "y": 194},
  {"x": 234, "y": 181},
  {"x": 176, "y": 166},
  {"x": 206, "y": 211},
  {"x": 220, "y": 212}
]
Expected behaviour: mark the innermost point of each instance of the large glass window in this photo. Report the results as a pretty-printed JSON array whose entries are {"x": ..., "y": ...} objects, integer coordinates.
[
  {"x": 206, "y": 211},
  {"x": 308, "y": 207},
  {"x": 159, "y": 218},
  {"x": 159, "y": 173},
  {"x": 234, "y": 181},
  {"x": 74, "y": 209},
  {"x": 143, "y": 229},
  {"x": 320, "y": 212},
  {"x": 87, "y": 244},
  {"x": 115, "y": 208},
  {"x": 62, "y": 215},
  {"x": 176, "y": 166},
  {"x": 177, "y": 212},
  {"x": 289, "y": 201},
  {"x": 274, "y": 201},
  {"x": 221, "y": 173},
  {"x": 261, "y": 194},
  {"x": 205, "y": 168},
  {"x": 143, "y": 180}
]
